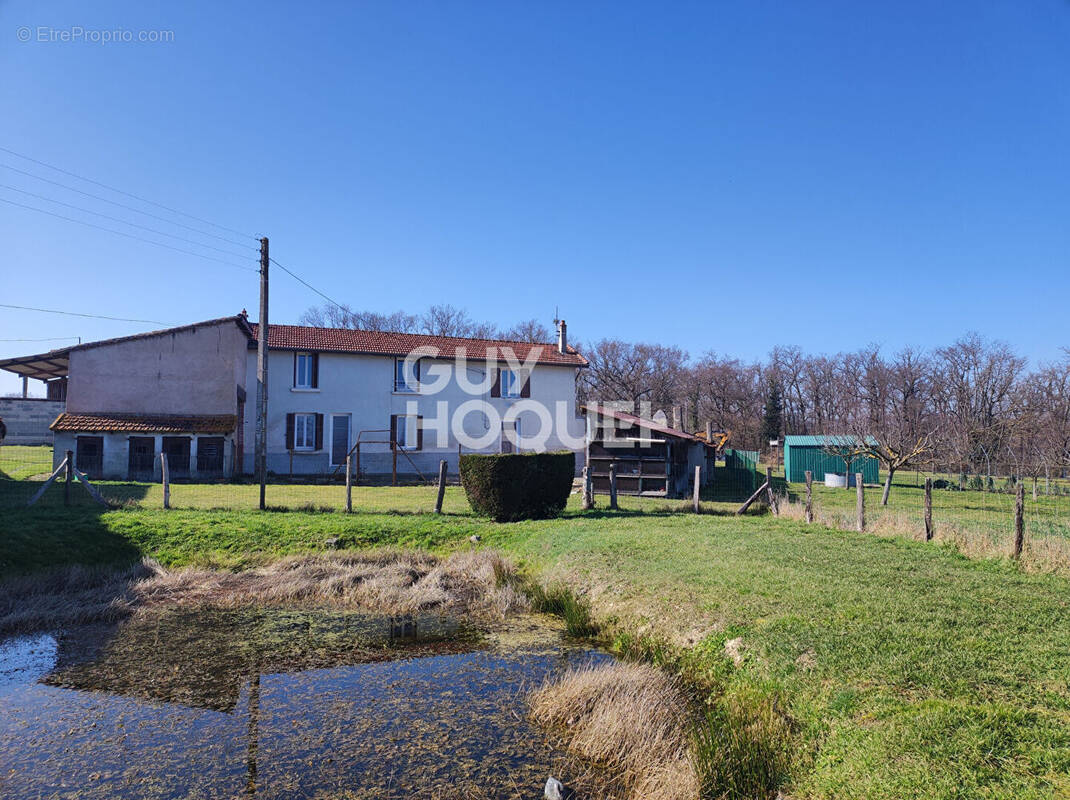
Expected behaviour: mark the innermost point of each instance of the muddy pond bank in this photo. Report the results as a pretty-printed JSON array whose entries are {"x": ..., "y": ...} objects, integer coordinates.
[{"x": 207, "y": 702}]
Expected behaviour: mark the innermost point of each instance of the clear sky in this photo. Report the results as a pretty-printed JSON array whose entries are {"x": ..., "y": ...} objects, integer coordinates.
[{"x": 716, "y": 175}]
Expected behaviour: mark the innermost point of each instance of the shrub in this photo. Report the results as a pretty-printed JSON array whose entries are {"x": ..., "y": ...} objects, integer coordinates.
[{"x": 511, "y": 487}]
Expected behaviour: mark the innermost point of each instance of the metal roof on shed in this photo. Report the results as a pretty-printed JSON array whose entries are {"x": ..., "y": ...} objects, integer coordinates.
[{"x": 824, "y": 440}]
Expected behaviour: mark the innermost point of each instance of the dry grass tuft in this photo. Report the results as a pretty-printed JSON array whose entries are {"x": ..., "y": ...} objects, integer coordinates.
[
  {"x": 477, "y": 583},
  {"x": 633, "y": 718}
]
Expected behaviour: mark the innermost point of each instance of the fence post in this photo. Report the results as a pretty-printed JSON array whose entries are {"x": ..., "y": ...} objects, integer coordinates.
[
  {"x": 771, "y": 496},
  {"x": 349, "y": 484},
  {"x": 67, "y": 479},
  {"x": 929, "y": 509},
  {"x": 166, "y": 481},
  {"x": 613, "y": 486},
  {"x": 587, "y": 497},
  {"x": 861, "y": 501},
  {"x": 1019, "y": 520},
  {"x": 809, "y": 497},
  {"x": 694, "y": 496},
  {"x": 441, "y": 486}
]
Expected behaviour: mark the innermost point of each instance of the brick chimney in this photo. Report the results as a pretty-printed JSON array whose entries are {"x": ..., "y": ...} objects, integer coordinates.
[{"x": 562, "y": 336}]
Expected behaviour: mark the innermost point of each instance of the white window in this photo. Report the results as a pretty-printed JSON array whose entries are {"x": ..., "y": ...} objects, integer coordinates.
[
  {"x": 510, "y": 383},
  {"x": 303, "y": 371},
  {"x": 304, "y": 431},
  {"x": 406, "y": 432},
  {"x": 406, "y": 375}
]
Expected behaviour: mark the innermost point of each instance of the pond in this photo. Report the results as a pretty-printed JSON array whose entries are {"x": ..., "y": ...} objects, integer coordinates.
[{"x": 210, "y": 703}]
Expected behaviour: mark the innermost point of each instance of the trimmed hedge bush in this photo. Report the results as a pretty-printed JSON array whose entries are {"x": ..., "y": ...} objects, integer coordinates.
[{"x": 515, "y": 486}]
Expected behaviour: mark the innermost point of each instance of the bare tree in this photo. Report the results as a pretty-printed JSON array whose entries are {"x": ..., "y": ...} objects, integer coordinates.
[
  {"x": 974, "y": 380},
  {"x": 898, "y": 427},
  {"x": 636, "y": 372},
  {"x": 332, "y": 316},
  {"x": 530, "y": 330}
]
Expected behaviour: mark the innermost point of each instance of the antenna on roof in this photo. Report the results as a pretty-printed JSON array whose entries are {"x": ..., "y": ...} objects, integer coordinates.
[{"x": 557, "y": 316}]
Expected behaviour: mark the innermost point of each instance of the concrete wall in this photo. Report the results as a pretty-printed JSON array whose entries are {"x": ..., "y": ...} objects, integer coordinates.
[
  {"x": 191, "y": 371},
  {"x": 361, "y": 387},
  {"x": 27, "y": 419},
  {"x": 117, "y": 453}
]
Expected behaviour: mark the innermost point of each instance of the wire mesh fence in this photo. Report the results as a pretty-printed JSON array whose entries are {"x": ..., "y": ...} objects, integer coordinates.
[{"x": 974, "y": 511}]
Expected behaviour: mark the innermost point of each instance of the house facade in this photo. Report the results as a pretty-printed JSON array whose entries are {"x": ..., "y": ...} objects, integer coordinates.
[
  {"x": 392, "y": 403},
  {"x": 335, "y": 393}
]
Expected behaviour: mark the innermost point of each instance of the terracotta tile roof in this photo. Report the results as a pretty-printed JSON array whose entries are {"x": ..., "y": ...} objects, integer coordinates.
[
  {"x": 647, "y": 424},
  {"x": 144, "y": 423},
  {"x": 346, "y": 340}
]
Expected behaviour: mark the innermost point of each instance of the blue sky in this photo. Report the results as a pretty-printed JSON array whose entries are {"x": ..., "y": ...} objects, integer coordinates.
[{"x": 719, "y": 176}]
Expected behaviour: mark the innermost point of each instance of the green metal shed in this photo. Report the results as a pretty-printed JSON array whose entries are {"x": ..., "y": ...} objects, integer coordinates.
[{"x": 802, "y": 453}]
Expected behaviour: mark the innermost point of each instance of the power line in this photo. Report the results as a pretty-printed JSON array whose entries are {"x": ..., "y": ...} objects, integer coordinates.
[
  {"x": 127, "y": 194},
  {"x": 123, "y": 205},
  {"x": 127, "y": 235},
  {"x": 122, "y": 221},
  {"x": 306, "y": 283},
  {"x": 87, "y": 316},
  {"x": 46, "y": 339}
]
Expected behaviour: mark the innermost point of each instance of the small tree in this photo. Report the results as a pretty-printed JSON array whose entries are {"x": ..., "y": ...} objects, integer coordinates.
[
  {"x": 773, "y": 413},
  {"x": 847, "y": 449}
]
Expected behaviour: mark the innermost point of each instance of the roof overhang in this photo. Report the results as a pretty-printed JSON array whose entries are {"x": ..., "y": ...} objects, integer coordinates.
[{"x": 43, "y": 366}]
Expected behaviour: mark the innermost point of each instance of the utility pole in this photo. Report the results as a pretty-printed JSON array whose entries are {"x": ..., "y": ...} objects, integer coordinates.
[{"x": 262, "y": 374}]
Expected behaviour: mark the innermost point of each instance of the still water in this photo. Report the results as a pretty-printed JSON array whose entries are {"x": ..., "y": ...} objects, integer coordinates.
[{"x": 278, "y": 704}]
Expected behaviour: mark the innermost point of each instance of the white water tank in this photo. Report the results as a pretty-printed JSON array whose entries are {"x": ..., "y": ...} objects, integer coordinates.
[{"x": 837, "y": 480}]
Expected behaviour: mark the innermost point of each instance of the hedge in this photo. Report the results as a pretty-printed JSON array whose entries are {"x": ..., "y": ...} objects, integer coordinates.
[{"x": 515, "y": 486}]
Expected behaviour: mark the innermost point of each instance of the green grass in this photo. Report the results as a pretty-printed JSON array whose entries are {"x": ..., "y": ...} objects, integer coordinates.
[
  {"x": 872, "y": 667},
  {"x": 19, "y": 462}
]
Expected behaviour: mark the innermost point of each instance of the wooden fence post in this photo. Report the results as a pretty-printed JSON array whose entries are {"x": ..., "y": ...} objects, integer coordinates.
[
  {"x": 441, "y": 486},
  {"x": 613, "y": 486},
  {"x": 1019, "y": 520},
  {"x": 587, "y": 495},
  {"x": 929, "y": 509},
  {"x": 771, "y": 495},
  {"x": 67, "y": 479},
  {"x": 349, "y": 484},
  {"x": 861, "y": 489},
  {"x": 809, "y": 497},
  {"x": 164, "y": 477},
  {"x": 694, "y": 496}
]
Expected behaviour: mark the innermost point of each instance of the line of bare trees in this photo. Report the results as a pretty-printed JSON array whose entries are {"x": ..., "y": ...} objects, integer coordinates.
[
  {"x": 969, "y": 407},
  {"x": 437, "y": 320}
]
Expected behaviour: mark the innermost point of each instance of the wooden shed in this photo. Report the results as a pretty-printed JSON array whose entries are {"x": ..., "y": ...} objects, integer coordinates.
[{"x": 651, "y": 458}]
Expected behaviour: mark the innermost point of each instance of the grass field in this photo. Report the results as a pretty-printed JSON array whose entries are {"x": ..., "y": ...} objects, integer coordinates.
[{"x": 900, "y": 668}]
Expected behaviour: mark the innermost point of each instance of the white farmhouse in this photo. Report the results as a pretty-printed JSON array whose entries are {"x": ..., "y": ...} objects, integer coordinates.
[{"x": 391, "y": 402}]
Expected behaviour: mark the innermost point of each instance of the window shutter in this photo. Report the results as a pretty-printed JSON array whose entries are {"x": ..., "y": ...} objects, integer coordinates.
[
  {"x": 319, "y": 431},
  {"x": 496, "y": 389},
  {"x": 315, "y": 370},
  {"x": 525, "y": 387},
  {"x": 419, "y": 433},
  {"x": 393, "y": 430},
  {"x": 295, "y": 371},
  {"x": 289, "y": 431}
]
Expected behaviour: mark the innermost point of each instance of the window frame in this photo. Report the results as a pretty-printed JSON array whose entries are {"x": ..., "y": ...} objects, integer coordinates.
[
  {"x": 401, "y": 386},
  {"x": 510, "y": 378},
  {"x": 304, "y": 431},
  {"x": 308, "y": 358}
]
